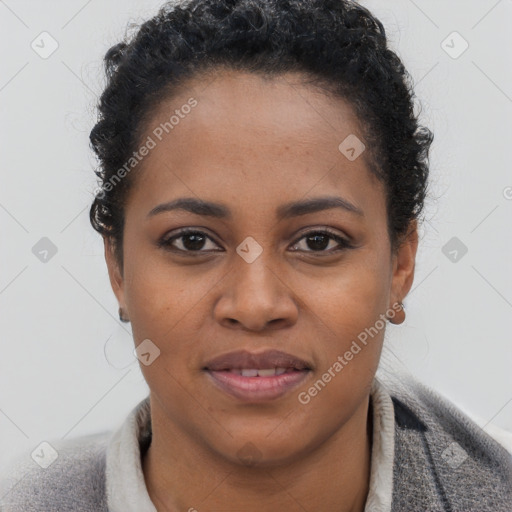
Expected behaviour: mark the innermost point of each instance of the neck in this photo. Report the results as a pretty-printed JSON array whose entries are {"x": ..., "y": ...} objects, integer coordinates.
[{"x": 182, "y": 474}]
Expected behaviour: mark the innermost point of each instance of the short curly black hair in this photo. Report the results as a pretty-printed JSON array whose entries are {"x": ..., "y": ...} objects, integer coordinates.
[{"x": 337, "y": 44}]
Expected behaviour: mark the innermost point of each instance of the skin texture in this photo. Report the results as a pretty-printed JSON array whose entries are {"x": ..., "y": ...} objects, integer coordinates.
[{"x": 254, "y": 144}]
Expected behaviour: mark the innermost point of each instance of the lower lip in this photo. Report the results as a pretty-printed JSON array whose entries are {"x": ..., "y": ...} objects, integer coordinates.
[{"x": 257, "y": 388}]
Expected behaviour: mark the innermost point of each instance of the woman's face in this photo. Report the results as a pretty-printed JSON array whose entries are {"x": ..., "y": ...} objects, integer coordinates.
[{"x": 256, "y": 278}]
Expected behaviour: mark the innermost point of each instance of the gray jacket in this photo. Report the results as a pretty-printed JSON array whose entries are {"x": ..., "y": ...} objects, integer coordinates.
[{"x": 443, "y": 463}]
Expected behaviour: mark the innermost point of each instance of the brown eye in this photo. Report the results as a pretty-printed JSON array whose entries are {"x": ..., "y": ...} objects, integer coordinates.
[
  {"x": 318, "y": 241},
  {"x": 187, "y": 241}
]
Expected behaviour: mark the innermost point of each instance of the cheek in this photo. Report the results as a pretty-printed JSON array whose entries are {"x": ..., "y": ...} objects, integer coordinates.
[
  {"x": 171, "y": 306},
  {"x": 349, "y": 298},
  {"x": 160, "y": 293},
  {"x": 345, "y": 311}
]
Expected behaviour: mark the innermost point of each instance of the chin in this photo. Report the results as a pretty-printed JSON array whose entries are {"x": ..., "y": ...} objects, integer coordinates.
[{"x": 260, "y": 449}]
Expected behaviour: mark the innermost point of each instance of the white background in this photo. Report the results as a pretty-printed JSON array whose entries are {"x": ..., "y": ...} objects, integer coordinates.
[{"x": 60, "y": 377}]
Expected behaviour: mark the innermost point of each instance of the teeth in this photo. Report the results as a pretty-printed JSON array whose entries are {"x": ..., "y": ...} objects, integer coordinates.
[
  {"x": 254, "y": 372},
  {"x": 249, "y": 373},
  {"x": 266, "y": 372}
]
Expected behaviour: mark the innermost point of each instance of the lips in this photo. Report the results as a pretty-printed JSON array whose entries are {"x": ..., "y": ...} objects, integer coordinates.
[
  {"x": 268, "y": 360},
  {"x": 257, "y": 377}
]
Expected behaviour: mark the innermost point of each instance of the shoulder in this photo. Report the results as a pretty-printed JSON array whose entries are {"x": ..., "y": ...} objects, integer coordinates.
[
  {"x": 443, "y": 458},
  {"x": 58, "y": 475},
  {"x": 417, "y": 404}
]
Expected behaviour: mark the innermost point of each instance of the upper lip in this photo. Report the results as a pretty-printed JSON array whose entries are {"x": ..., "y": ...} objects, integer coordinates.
[{"x": 242, "y": 359}]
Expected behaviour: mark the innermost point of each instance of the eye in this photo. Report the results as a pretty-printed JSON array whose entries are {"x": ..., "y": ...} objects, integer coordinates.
[
  {"x": 193, "y": 240},
  {"x": 319, "y": 240},
  {"x": 189, "y": 240}
]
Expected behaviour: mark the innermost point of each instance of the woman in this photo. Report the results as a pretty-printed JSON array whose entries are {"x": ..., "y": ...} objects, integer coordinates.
[{"x": 262, "y": 178}]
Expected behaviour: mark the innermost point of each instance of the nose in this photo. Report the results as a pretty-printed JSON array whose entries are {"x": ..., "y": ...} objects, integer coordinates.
[{"x": 255, "y": 297}]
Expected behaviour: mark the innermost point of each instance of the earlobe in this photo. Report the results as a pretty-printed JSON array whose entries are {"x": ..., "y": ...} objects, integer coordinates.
[{"x": 396, "y": 314}]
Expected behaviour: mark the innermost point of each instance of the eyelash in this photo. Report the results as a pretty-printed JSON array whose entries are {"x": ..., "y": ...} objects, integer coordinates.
[{"x": 166, "y": 242}]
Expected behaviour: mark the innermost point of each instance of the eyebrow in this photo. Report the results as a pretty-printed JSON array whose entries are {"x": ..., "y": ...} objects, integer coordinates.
[{"x": 285, "y": 211}]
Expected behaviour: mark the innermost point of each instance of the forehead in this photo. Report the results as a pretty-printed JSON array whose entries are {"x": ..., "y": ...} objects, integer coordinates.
[{"x": 247, "y": 136}]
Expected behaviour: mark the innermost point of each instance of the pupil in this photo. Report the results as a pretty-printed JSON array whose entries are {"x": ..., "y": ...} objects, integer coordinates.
[
  {"x": 197, "y": 241},
  {"x": 315, "y": 239}
]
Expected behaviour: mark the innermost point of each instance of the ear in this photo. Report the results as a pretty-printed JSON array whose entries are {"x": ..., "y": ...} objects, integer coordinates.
[
  {"x": 404, "y": 261},
  {"x": 114, "y": 272}
]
